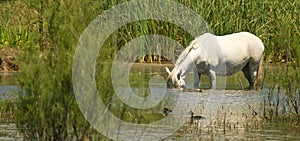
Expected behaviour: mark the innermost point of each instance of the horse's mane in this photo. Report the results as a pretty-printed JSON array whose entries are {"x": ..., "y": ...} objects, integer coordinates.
[{"x": 187, "y": 50}]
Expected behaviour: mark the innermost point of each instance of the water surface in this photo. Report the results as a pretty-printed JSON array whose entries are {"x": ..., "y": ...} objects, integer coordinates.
[{"x": 231, "y": 114}]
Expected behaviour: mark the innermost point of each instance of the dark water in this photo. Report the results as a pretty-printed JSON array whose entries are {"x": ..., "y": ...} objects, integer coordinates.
[{"x": 231, "y": 114}]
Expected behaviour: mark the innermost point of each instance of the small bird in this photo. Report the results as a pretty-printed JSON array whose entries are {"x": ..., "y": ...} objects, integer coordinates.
[
  {"x": 196, "y": 117},
  {"x": 191, "y": 90},
  {"x": 167, "y": 111}
]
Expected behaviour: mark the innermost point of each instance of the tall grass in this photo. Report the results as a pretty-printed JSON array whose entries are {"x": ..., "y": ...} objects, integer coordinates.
[
  {"x": 275, "y": 22},
  {"x": 46, "y": 108},
  {"x": 15, "y": 25},
  {"x": 17, "y": 38}
]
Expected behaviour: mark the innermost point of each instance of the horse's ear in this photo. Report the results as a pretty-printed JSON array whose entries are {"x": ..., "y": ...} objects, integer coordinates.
[{"x": 168, "y": 71}]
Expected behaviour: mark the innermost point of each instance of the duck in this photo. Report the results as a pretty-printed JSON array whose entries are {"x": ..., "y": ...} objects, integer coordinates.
[
  {"x": 191, "y": 90},
  {"x": 167, "y": 111},
  {"x": 196, "y": 117}
]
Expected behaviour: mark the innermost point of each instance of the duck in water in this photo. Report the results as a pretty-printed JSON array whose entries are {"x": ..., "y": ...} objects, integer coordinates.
[
  {"x": 195, "y": 117},
  {"x": 167, "y": 111}
]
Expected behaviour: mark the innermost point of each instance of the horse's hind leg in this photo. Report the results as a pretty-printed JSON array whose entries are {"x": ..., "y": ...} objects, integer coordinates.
[
  {"x": 250, "y": 72},
  {"x": 253, "y": 68},
  {"x": 247, "y": 74}
]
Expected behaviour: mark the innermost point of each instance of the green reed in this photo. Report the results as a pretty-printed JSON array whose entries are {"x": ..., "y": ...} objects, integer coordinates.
[
  {"x": 46, "y": 108},
  {"x": 275, "y": 22},
  {"x": 18, "y": 38},
  {"x": 282, "y": 99}
]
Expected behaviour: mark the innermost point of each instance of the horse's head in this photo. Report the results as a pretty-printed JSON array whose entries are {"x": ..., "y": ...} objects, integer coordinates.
[{"x": 174, "y": 79}]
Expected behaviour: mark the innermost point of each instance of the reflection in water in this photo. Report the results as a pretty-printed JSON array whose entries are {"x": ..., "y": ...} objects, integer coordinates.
[
  {"x": 229, "y": 115},
  {"x": 239, "y": 116},
  {"x": 8, "y": 131}
]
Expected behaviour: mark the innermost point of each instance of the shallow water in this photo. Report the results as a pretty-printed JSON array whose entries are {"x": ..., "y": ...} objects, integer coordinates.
[
  {"x": 231, "y": 114},
  {"x": 9, "y": 131}
]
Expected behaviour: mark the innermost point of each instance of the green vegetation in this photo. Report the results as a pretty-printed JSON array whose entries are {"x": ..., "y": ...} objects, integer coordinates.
[
  {"x": 285, "y": 92},
  {"x": 48, "y": 110},
  {"x": 275, "y": 22},
  {"x": 48, "y": 31}
]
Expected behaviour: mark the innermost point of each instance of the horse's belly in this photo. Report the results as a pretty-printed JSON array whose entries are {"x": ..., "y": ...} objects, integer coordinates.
[
  {"x": 230, "y": 65},
  {"x": 231, "y": 69}
]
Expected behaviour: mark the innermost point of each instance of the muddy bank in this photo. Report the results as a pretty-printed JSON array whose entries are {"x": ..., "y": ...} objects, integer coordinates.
[{"x": 8, "y": 61}]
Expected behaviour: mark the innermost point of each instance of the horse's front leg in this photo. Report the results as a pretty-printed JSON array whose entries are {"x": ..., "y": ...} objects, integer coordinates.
[
  {"x": 212, "y": 76},
  {"x": 197, "y": 76}
]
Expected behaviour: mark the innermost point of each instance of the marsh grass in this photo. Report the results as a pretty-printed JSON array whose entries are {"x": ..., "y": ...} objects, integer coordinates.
[
  {"x": 6, "y": 111},
  {"x": 46, "y": 108},
  {"x": 275, "y": 22},
  {"x": 15, "y": 24},
  {"x": 282, "y": 100},
  {"x": 17, "y": 38},
  {"x": 276, "y": 111}
]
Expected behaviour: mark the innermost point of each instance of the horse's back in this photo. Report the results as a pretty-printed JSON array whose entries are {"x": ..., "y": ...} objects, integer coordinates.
[
  {"x": 242, "y": 44},
  {"x": 238, "y": 49}
]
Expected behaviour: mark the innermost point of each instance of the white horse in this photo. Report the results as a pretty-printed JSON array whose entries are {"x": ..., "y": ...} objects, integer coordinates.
[{"x": 218, "y": 55}]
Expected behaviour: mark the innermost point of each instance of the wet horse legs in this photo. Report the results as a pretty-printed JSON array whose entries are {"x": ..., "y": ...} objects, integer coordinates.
[
  {"x": 250, "y": 72},
  {"x": 212, "y": 77}
]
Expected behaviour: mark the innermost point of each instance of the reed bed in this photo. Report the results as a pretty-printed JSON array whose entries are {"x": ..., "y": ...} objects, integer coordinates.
[{"x": 275, "y": 22}]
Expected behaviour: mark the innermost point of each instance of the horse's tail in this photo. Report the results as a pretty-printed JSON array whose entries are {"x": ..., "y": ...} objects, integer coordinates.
[{"x": 260, "y": 75}]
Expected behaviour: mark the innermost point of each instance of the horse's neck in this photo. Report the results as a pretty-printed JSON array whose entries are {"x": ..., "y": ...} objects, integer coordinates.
[
  {"x": 184, "y": 67},
  {"x": 195, "y": 51}
]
